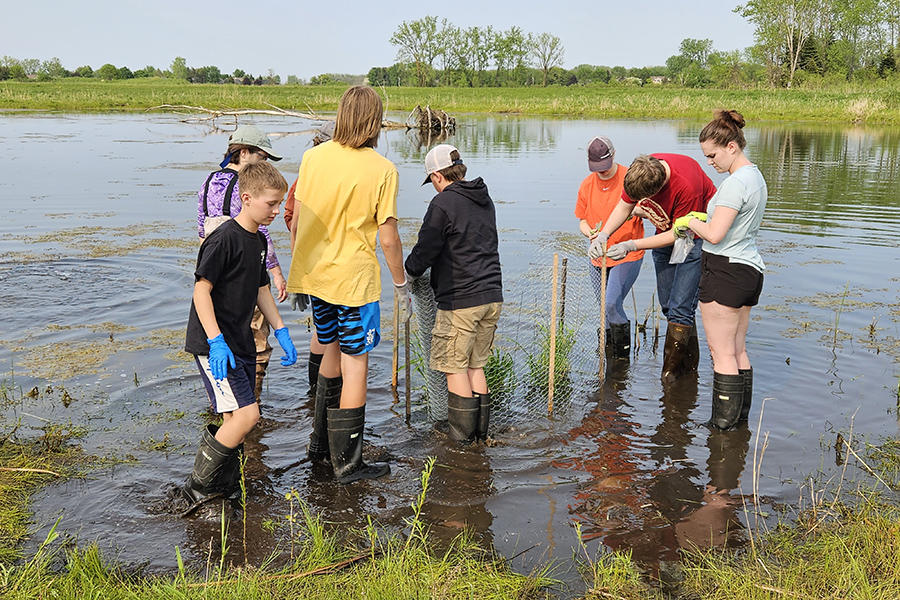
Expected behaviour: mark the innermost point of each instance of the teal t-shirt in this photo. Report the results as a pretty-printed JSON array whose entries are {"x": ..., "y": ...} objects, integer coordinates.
[{"x": 745, "y": 191}]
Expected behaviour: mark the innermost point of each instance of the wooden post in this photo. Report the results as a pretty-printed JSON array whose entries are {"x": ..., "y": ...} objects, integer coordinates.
[
  {"x": 408, "y": 371},
  {"x": 396, "y": 352},
  {"x": 602, "y": 336},
  {"x": 562, "y": 295},
  {"x": 550, "y": 378}
]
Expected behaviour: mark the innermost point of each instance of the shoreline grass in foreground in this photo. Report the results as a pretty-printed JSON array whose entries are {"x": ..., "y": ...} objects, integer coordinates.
[
  {"x": 846, "y": 543},
  {"x": 874, "y": 104}
]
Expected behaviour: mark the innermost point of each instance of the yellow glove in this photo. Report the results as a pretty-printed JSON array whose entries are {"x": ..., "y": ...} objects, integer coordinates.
[{"x": 682, "y": 223}]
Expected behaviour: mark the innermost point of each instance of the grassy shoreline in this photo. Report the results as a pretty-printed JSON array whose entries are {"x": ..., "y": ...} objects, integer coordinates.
[{"x": 875, "y": 105}]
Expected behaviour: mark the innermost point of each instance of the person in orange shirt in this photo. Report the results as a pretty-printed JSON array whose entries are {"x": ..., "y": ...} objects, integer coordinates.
[{"x": 598, "y": 195}]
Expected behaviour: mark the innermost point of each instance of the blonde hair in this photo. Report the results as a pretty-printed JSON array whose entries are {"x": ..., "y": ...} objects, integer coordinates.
[
  {"x": 727, "y": 126},
  {"x": 256, "y": 178},
  {"x": 645, "y": 177},
  {"x": 359, "y": 116}
]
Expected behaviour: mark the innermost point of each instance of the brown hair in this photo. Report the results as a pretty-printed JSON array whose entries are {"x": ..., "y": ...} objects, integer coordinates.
[
  {"x": 256, "y": 178},
  {"x": 644, "y": 178},
  {"x": 359, "y": 115},
  {"x": 233, "y": 154},
  {"x": 454, "y": 172},
  {"x": 726, "y": 126}
]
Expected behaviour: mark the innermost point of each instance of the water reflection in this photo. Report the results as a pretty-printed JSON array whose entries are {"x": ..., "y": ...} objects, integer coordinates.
[{"x": 97, "y": 251}]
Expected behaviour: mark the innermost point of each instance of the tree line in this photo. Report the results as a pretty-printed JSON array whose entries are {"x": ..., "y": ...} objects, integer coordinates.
[{"x": 32, "y": 68}]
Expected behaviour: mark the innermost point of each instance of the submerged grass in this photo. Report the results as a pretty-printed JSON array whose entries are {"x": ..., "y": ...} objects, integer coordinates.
[{"x": 875, "y": 102}]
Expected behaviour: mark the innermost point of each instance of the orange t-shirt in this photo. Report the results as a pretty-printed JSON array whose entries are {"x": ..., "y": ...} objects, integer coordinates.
[{"x": 596, "y": 200}]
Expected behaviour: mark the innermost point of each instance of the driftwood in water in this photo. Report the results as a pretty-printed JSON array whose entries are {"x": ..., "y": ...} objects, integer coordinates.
[
  {"x": 209, "y": 114},
  {"x": 431, "y": 119}
]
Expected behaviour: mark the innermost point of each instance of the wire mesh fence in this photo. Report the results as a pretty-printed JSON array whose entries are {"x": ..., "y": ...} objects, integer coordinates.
[{"x": 546, "y": 356}]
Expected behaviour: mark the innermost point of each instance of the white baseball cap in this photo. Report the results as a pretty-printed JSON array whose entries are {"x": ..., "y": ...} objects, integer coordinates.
[{"x": 439, "y": 158}]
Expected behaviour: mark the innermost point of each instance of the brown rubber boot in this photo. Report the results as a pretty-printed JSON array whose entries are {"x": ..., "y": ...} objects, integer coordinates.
[
  {"x": 692, "y": 354},
  {"x": 676, "y": 347}
]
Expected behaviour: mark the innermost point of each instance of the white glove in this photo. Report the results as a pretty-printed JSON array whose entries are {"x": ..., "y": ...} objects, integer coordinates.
[
  {"x": 596, "y": 249},
  {"x": 404, "y": 301},
  {"x": 619, "y": 251}
]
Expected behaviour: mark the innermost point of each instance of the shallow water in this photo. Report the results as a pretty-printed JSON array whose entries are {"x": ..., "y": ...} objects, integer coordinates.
[{"x": 96, "y": 253}]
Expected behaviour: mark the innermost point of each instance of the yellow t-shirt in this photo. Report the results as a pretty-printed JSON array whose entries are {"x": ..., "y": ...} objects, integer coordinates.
[{"x": 343, "y": 194}]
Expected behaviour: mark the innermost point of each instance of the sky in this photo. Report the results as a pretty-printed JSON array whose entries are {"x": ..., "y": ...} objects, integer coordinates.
[{"x": 310, "y": 38}]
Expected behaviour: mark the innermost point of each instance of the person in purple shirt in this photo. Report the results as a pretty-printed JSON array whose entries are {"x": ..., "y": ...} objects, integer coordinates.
[{"x": 248, "y": 145}]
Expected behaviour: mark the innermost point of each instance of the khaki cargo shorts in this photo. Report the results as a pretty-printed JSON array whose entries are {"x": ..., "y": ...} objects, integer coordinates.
[{"x": 462, "y": 339}]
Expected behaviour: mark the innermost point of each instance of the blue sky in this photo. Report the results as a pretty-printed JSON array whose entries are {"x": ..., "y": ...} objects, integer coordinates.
[{"x": 309, "y": 38}]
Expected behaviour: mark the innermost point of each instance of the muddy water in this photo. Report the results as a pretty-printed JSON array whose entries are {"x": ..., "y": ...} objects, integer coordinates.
[{"x": 96, "y": 251}]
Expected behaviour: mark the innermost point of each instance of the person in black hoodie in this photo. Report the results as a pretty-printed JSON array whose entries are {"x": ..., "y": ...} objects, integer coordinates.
[{"x": 458, "y": 240}]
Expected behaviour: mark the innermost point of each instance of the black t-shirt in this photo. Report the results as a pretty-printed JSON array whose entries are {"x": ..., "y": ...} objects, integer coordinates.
[{"x": 234, "y": 260}]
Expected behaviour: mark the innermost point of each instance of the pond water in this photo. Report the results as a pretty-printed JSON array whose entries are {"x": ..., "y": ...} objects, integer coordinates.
[{"x": 96, "y": 254}]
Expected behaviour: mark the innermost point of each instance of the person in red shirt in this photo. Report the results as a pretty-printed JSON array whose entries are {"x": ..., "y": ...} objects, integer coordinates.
[
  {"x": 665, "y": 187},
  {"x": 598, "y": 196}
]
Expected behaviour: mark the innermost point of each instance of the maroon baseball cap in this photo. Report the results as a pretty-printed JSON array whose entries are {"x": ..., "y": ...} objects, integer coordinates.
[{"x": 600, "y": 154}]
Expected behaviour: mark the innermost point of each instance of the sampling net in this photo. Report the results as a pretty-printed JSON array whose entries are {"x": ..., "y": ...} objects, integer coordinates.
[{"x": 519, "y": 373}]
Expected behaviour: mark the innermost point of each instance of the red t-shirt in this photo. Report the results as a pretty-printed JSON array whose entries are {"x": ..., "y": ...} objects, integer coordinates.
[{"x": 688, "y": 188}]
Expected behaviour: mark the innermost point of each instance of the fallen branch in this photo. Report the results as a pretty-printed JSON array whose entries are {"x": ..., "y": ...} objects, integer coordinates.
[
  {"x": 291, "y": 576},
  {"x": 26, "y": 470},
  {"x": 213, "y": 114}
]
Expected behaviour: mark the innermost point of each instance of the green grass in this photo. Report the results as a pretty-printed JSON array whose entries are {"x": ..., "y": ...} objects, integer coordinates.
[{"x": 875, "y": 103}]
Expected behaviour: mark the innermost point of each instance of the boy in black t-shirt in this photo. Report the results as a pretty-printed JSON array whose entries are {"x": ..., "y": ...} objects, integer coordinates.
[{"x": 230, "y": 281}]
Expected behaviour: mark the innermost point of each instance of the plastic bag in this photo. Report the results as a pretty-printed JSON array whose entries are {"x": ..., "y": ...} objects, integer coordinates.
[{"x": 682, "y": 248}]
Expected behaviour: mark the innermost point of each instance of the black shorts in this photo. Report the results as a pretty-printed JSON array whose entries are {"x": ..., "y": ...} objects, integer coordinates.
[{"x": 730, "y": 284}]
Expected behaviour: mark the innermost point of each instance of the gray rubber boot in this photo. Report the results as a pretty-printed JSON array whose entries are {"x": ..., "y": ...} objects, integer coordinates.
[
  {"x": 209, "y": 465},
  {"x": 484, "y": 415},
  {"x": 620, "y": 334},
  {"x": 345, "y": 439},
  {"x": 748, "y": 394},
  {"x": 462, "y": 417},
  {"x": 328, "y": 395},
  {"x": 728, "y": 394}
]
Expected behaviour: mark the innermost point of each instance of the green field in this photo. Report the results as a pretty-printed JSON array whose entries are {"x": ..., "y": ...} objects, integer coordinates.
[{"x": 874, "y": 104}]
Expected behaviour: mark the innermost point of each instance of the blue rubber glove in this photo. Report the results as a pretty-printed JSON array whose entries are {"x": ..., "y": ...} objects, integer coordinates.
[
  {"x": 682, "y": 224},
  {"x": 220, "y": 356},
  {"x": 284, "y": 339},
  {"x": 620, "y": 251}
]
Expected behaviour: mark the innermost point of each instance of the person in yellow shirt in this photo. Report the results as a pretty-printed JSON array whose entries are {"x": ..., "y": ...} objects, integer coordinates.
[{"x": 346, "y": 196}]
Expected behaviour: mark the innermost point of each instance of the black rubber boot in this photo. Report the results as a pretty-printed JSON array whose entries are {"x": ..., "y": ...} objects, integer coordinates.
[
  {"x": 748, "y": 394},
  {"x": 462, "y": 417},
  {"x": 315, "y": 360},
  {"x": 345, "y": 439},
  {"x": 209, "y": 465},
  {"x": 620, "y": 335},
  {"x": 677, "y": 340},
  {"x": 728, "y": 393},
  {"x": 328, "y": 395},
  {"x": 484, "y": 415},
  {"x": 230, "y": 479}
]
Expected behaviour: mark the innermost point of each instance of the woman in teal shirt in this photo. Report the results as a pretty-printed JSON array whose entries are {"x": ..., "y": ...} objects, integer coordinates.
[{"x": 731, "y": 268}]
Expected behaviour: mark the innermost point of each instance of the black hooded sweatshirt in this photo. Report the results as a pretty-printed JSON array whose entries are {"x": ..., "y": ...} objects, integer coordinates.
[{"x": 458, "y": 240}]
